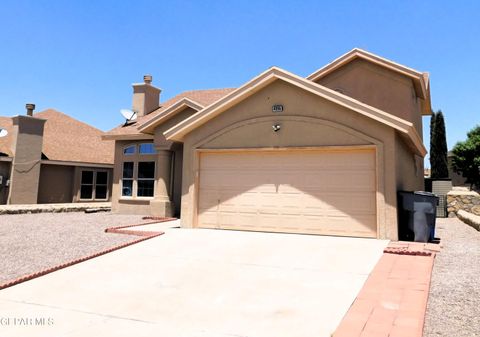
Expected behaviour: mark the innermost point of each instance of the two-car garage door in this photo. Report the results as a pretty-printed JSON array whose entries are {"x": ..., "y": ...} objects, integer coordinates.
[{"x": 329, "y": 192}]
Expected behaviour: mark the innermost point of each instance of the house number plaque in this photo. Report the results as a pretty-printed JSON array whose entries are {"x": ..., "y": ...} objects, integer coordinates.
[{"x": 277, "y": 108}]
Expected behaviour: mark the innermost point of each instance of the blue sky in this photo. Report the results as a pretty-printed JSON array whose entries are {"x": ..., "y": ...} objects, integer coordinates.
[{"x": 80, "y": 57}]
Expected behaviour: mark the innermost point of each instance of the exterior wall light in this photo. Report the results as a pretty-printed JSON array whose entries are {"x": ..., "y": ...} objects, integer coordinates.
[{"x": 276, "y": 127}]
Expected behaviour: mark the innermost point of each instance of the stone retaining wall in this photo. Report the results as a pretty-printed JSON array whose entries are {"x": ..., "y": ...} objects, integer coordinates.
[{"x": 468, "y": 201}]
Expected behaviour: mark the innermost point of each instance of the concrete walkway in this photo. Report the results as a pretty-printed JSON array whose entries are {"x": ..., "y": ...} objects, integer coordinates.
[
  {"x": 54, "y": 208},
  {"x": 393, "y": 301},
  {"x": 194, "y": 283}
]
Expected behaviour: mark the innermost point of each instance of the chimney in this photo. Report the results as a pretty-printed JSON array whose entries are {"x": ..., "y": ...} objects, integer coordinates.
[
  {"x": 27, "y": 149},
  {"x": 146, "y": 97},
  {"x": 30, "y": 107}
]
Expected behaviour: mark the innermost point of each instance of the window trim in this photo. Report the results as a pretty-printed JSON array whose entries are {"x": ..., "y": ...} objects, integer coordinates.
[
  {"x": 92, "y": 184},
  {"x": 132, "y": 179},
  {"x": 135, "y": 159},
  {"x": 106, "y": 186},
  {"x": 146, "y": 179},
  {"x": 135, "y": 180}
]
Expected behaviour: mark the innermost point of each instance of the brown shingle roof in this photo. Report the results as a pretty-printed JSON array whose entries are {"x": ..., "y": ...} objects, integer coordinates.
[
  {"x": 65, "y": 139},
  {"x": 68, "y": 139},
  {"x": 203, "y": 97},
  {"x": 6, "y": 143}
]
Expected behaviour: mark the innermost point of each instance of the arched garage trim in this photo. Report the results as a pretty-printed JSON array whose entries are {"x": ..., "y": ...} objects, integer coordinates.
[{"x": 377, "y": 144}]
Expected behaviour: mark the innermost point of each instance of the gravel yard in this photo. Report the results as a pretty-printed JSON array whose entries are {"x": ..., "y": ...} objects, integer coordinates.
[
  {"x": 454, "y": 302},
  {"x": 33, "y": 242}
]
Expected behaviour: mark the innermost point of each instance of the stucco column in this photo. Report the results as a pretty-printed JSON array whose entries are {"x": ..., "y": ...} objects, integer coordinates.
[
  {"x": 161, "y": 205},
  {"x": 25, "y": 176}
]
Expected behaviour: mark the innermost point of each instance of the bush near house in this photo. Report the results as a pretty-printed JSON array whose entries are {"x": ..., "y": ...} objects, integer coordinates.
[{"x": 466, "y": 158}]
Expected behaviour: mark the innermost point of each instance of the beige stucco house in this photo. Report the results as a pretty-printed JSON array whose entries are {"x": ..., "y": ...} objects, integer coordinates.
[
  {"x": 325, "y": 154},
  {"x": 50, "y": 157}
]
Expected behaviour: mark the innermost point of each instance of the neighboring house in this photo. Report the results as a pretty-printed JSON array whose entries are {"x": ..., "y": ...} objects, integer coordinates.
[
  {"x": 324, "y": 154},
  {"x": 49, "y": 157}
]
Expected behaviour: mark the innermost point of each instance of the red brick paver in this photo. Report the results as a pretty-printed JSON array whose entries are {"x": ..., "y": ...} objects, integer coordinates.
[{"x": 393, "y": 301}]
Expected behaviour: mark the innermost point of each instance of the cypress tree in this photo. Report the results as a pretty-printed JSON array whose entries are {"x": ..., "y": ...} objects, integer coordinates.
[
  {"x": 438, "y": 148},
  {"x": 432, "y": 141}
]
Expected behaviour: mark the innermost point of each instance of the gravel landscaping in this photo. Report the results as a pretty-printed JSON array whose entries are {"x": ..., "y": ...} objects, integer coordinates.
[
  {"x": 454, "y": 302},
  {"x": 33, "y": 242}
]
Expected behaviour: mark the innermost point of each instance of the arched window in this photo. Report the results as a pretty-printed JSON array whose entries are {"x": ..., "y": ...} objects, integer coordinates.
[{"x": 129, "y": 150}]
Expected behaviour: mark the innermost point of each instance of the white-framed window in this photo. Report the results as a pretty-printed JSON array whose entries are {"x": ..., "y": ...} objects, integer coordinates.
[
  {"x": 142, "y": 174},
  {"x": 94, "y": 185},
  {"x": 138, "y": 170},
  {"x": 127, "y": 178},
  {"x": 145, "y": 178}
]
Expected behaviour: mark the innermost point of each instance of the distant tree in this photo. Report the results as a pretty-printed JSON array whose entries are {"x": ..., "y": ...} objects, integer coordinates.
[
  {"x": 432, "y": 136},
  {"x": 438, "y": 146},
  {"x": 466, "y": 158}
]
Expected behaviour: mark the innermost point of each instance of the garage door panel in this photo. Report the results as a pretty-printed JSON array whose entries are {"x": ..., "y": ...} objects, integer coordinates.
[{"x": 289, "y": 191}]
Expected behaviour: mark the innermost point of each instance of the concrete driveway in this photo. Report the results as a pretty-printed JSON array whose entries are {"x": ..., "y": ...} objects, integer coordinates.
[{"x": 193, "y": 283}]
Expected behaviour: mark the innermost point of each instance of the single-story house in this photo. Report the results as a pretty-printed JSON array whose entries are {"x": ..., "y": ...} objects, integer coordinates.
[
  {"x": 325, "y": 154},
  {"x": 49, "y": 157}
]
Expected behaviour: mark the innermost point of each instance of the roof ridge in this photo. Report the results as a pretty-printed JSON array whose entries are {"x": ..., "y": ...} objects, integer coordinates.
[
  {"x": 69, "y": 117},
  {"x": 210, "y": 89}
]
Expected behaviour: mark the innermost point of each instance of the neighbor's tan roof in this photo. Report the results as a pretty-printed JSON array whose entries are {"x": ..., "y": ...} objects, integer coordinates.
[
  {"x": 203, "y": 97},
  {"x": 65, "y": 139},
  {"x": 68, "y": 139}
]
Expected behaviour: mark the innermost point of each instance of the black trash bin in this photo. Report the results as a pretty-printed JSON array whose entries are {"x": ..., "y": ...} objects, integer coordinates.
[
  {"x": 416, "y": 216},
  {"x": 425, "y": 209}
]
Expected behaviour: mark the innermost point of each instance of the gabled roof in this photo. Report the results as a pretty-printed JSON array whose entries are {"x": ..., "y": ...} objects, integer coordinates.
[
  {"x": 131, "y": 130},
  {"x": 167, "y": 113},
  {"x": 419, "y": 79},
  {"x": 65, "y": 139},
  {"x": 273, "y": 74}
]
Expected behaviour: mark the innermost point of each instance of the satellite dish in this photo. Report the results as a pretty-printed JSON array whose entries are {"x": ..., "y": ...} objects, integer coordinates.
[
  {"x": 129, "y": 115},
  {"x": 3, "y": 132}
]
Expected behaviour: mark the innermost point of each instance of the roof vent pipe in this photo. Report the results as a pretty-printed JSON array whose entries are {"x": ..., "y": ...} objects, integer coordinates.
[
  {"x": 30, "y": 107},
  {"x": 147, "y": 79}
]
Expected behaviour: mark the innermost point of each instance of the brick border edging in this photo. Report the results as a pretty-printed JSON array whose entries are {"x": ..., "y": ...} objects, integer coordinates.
[
  {"x": 145, "y": 235},
  {"x": 119, "y": 229}
]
